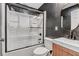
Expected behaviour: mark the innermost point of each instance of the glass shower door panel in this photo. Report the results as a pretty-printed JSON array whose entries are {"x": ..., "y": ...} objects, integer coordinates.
[
  {"x": 36, "y": 29},
  {"x": 17, "y": 31},
  {"x": 23, "y": 30}
]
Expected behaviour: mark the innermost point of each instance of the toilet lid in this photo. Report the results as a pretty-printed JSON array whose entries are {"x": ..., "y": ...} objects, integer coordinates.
[{"x": 40, "y": 50}]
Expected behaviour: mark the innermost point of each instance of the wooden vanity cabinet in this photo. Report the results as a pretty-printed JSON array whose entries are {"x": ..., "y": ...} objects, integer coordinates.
[{"x": 62, "y": 51}]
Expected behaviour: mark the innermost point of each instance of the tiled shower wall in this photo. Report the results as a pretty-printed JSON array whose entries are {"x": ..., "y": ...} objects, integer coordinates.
[{"x": 53, "y": 18}]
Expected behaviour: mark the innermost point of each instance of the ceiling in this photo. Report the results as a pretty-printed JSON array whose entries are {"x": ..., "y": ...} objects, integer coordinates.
[
  {"x": 38, "y": 5},
  {"x": 34, "y": 5}
]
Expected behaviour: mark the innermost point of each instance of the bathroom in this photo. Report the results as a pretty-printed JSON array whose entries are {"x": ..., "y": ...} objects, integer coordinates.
[{"x": 46, "y": 26}]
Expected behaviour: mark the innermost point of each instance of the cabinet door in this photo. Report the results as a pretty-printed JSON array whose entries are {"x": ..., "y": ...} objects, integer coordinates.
[
  {"x": 69, "y": 52},
  {"x": 54, "y": 50},
  {"x": 66, "y": 54},
  {"x": 62, "y": 51},
  {"x": 57, "y": 50}
]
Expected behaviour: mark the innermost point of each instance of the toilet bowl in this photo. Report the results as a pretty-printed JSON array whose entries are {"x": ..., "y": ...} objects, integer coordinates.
[{"x": 41, "y": 51}]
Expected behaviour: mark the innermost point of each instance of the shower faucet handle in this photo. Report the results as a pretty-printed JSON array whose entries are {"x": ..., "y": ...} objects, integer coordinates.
[
  {"x": 40, "y": 34},
  {"x": 39, "y": 39}
]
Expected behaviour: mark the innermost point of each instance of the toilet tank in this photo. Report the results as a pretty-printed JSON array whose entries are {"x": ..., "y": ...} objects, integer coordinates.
[{"x": 48, "y": 43}]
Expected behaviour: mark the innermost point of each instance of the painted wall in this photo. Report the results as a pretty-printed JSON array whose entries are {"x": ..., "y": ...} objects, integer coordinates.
[{"x": 53, "y": 23}]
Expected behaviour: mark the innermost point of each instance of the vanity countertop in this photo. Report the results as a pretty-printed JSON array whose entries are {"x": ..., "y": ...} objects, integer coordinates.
[{"x": 65, "y": 42}]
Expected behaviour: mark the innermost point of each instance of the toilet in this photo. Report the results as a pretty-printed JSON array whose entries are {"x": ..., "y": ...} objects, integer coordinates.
[{"x": 43, "y": 51}]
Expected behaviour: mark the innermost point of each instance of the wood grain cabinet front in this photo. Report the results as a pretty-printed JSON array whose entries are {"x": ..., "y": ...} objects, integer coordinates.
[{"x": 62, "y": 51}]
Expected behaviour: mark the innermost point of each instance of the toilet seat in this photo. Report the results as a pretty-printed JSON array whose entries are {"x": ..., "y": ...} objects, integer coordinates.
[{"x": 41, "y": 51}]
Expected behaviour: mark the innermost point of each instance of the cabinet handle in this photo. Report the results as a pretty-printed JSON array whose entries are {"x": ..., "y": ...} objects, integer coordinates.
[{"x": 40, "y": 34}]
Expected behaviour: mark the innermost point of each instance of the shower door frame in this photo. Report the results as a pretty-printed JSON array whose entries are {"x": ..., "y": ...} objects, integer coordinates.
[{"x": 6, "y": 26}]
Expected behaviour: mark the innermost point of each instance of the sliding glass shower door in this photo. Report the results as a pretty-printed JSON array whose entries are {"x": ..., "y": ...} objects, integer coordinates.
[{"x": 24, "y": 28}]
